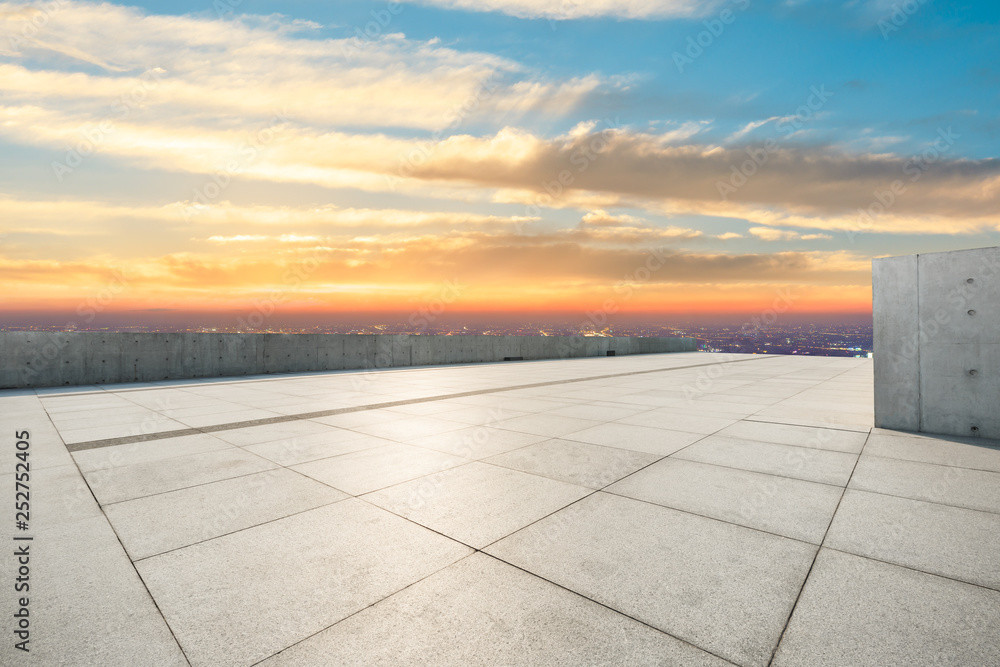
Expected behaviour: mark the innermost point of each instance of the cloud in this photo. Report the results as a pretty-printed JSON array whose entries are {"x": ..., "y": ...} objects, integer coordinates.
[
  {"x": 799, "y": 185},
  {"x": 599, "y": 225},
  {"x": 601, "y": 218},
  {"x": 513, "y": 263},
  {"x": 239, "y": 238},
  {"x": 773, "y": 234},
  {"x": 728, "y": 235},
  {"x": 750, "y": 127},
  {"x": 589, "y": 255},
  {"x": 235, "y": 254},
  {"x": 226, "y": 70},
  {"x": 577, "y": 9},
  {"x": 394, "y": 116}
]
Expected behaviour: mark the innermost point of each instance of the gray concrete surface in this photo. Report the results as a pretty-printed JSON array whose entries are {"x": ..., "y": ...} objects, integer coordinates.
[
  {"x": 858, "y": 611},
  {"x": 330, "y": 533},
  {"x": 937, "y": 342},
  {"x": 50, "y": 359}
]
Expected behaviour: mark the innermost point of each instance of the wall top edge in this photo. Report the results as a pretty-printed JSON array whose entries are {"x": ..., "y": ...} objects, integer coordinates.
[{"x": 942, "y": 252}]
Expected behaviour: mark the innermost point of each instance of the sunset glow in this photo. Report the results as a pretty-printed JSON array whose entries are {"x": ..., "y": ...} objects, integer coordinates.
[{"x": 506, "y": 157}]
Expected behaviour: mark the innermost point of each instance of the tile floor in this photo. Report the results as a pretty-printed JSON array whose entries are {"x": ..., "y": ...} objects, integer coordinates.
[{"x": 687, "y": 509}]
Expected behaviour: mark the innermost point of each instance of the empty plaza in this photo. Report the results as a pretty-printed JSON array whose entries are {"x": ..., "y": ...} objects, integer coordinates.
[{"x": 658, "y": 509}]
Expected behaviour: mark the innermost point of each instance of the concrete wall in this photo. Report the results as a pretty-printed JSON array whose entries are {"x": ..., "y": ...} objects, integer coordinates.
[
  {"x": 42, "y": 359},
  {"x": 937, "y": 342}
]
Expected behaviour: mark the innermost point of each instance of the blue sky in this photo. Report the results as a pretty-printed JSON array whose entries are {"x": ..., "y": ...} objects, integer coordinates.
[{"x": 240, "y": 137}]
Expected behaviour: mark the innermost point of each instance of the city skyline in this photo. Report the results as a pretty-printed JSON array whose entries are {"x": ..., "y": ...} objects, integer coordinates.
[
  {"x": 765, "y": 333},
  {"x": 559, "y": 160}
]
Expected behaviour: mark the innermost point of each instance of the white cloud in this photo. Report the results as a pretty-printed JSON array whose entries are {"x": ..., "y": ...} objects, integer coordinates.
[
  {"x": 577, "y": 9},
  {"x": 262, "y": 99},
  {"x": 245, "y": 69},
  {"x": 601, "y": 218},
  {"x": 773, "y": 234},
  {"x": 750, "y": 127},
  {"x": 77, "y": 216}
]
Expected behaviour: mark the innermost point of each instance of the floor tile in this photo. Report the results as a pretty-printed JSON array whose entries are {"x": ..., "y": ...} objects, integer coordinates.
[
  {"x": 579, "y": 463},
  {"x": 940, "y": 450},
  {"x": 404, "y": 430},
  {"x": 637, "y": 438},
  {"x": 154, "y": 425},
  {"x": 812, "y": 465},
  {"x": 357, "y": 418},
  {"x": 242, "y": 597},
  {"x": 800, "y": 436},
  {"x": 549, "y": 425},
  {"x": 949, "y": 541},
  {"x": 678, "y": 420},
  {"x": 67, "y": 587},
  {"x": 724, "y": 588},
  {"x": 146, "y": 451},
  {"x": 861, "y": 423},
  {"x": 302, "y": 449},
  {"x": 481, "y": 611},
  {"x": 477, "y": 503},
  {"x": 57, "y": 496},
  {"x": 855, "y": 611},
  {"x": 477, "y": 442},
  {"x": 371, "y": 469},
  {"x": 253, "y": 435},
  {"x": 155, "y": 524},
  {"x": 112, "y": 485},
  {"x": 201, "y": 421},
  {"x": 479, "y": 415},
  {"x": 789, "y": 507},
  {"x": 606, "y": 412},
  {"x": 964, "y": 487}
]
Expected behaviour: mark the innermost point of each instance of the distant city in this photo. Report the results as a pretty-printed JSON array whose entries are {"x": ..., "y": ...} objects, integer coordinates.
[{"x": 823, "y": 338}]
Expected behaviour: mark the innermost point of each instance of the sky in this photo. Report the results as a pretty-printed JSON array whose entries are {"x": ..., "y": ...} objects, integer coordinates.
[{"x": 517, "y": 157}]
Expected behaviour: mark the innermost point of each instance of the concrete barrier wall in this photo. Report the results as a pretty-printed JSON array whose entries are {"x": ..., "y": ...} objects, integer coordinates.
[
  {"x": 44, "y": 359},
  {"x": 936, "y": 342}
]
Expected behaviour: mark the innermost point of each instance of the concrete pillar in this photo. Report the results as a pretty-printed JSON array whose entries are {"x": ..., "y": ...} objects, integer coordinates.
[{"x": 937, "y": 342}]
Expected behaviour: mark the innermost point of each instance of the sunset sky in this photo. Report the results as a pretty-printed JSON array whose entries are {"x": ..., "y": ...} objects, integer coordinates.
[{"x": 512, "y": 156}]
